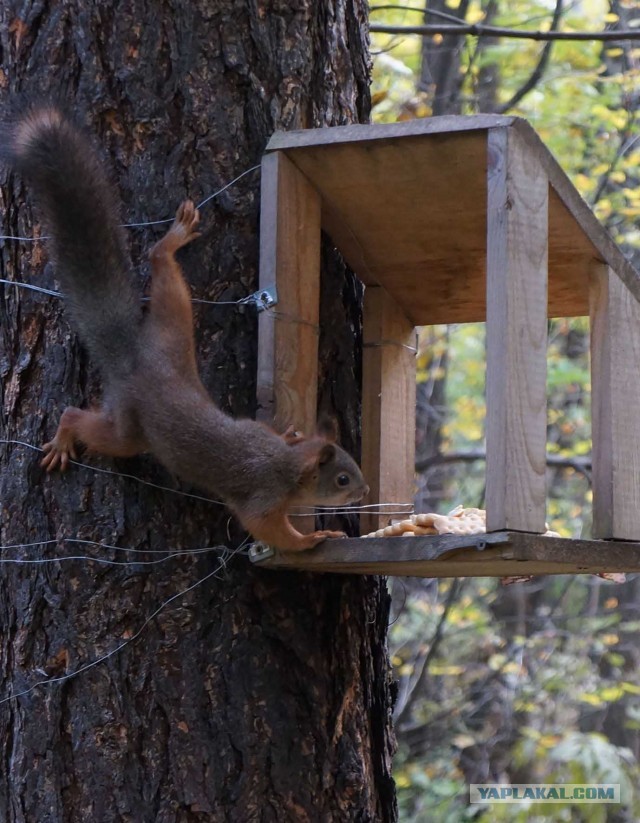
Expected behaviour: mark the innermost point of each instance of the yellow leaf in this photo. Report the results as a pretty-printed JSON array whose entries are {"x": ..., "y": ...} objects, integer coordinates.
[
  {"x": 591, "y": 699},
  {"x": 611, "y": 693},
  {"x": 423, "y": 110},
  {"x": 497, "y": 661},
  {"x": 524, "y": 706},
  {"x": 444, "y": 670},
  {"x": 584, "y": 183},
  {"x": 610, "y": 17},
  {"x": 611, "y": 603},
  {"x": 614, "y": 52},
  {"x": 603, "y": 208},
  {"x": 610, "y": 639},
  {"x": 474, "y": 15}
]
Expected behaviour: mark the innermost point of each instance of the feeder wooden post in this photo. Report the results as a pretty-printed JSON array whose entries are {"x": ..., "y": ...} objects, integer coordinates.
[
  {"x": 517, "y": 249},
  {"x": 388, "y": 404},
  {"x": 288, "y": 334},
  {"x": 615, "y": 401}
]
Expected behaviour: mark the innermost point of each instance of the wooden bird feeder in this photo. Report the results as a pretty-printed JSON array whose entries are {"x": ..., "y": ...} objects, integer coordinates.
[{"x": 454, "y": 220}]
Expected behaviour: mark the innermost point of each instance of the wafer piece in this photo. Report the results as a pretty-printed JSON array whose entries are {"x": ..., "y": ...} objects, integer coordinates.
[
  {"x": 465, "y": 521},
  {"x": 458, "y": 521}
]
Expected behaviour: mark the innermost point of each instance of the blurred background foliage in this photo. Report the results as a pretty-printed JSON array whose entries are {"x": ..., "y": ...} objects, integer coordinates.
[{"x": 539, "y": 681}]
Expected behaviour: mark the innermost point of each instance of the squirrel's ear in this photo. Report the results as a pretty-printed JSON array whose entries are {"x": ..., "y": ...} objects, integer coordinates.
[
  {"x": 327, "y": 427},
  {"x": 316, "y": 460},
  {"x": 327, "y": 453}
]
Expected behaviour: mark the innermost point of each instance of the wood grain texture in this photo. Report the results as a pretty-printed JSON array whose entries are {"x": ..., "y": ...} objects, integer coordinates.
[
  {"x": 388, "y": 195},
  {"x": 615, "y": 400},
  {"x": 388, "y": 404},
  {"x": 484, "y": 555},
  {"x": 516, "y": 337},
  {"x": 290, "y": 259}
]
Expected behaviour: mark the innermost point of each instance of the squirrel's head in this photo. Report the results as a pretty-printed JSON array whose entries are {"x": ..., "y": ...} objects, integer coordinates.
[{"x": 329, "y": 476}]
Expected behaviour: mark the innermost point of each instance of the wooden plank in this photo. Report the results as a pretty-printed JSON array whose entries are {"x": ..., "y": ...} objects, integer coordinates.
[
  {"x": 615, "y": 400},
  {"x": 290, "y": 259},
  {"x": 386, "y": 207},
  {"x": 484, "y": 555},
  {"x": 369, "y": 133},
  {"x": 287, "y": 377},
  {"x": 517, "y": 231},
  {"x": 388, "y": 404},
  {"x": 570, "y": 256}
]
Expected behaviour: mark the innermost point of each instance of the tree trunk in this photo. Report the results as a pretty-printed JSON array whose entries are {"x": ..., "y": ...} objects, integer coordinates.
[
  {"x": 441, "y": 60},
  {"x": 255, "y": 695}
]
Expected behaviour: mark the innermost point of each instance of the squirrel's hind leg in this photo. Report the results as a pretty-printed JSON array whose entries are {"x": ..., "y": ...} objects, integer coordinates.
[{"x": 97, "y": 430}]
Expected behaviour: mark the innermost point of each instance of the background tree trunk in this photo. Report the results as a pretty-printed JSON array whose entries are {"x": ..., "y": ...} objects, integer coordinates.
[{"x": 257, "y": 695}]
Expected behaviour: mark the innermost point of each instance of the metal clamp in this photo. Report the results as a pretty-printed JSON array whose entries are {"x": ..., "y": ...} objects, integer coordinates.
[
  {"x": 260, "y": 551},
  {"x": 262, "y": 299}
]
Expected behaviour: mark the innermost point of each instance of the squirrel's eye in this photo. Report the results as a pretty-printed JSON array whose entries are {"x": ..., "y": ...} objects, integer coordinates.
[{"x": 343, "y": 480}]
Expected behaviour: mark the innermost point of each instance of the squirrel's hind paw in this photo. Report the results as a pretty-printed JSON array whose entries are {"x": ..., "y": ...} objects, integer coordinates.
[
  {"x": 184, "y": 226},
  {"x": 57, "y": 455}
]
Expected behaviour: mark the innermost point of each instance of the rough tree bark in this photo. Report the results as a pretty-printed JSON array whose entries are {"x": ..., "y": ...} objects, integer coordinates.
[{"x": 258, "y": 695}]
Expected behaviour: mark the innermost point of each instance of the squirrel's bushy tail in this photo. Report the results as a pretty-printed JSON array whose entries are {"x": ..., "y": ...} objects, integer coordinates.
[{"x": 80, "y": 209}]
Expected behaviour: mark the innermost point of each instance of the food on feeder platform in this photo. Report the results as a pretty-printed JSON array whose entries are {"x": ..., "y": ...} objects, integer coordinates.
[{"x": 459, "y": 521}]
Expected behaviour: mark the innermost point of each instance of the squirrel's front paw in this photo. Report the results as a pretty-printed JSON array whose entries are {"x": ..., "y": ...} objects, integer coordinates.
[
  {"x": 58, "y": 452},
  {"x": 311, "y": 540},
  {"x": 326, "y": 534}
]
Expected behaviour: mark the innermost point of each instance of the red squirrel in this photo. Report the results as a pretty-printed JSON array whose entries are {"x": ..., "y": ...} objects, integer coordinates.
[{"x": 154, "y": 400}]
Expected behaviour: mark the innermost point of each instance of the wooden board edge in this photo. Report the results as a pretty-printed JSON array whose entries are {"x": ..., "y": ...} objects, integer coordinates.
[
  {"x": 496, "y": 554},
  {"x": 366, "y": 132}
]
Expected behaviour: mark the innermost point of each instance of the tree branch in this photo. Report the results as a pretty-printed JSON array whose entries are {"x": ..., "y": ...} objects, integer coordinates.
[
  {"x": 580, "y": 465},
  {"x": 478, "y": 30},
  {"x": 543, "y": 62},
  {"x": 406, "y": 700}
]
